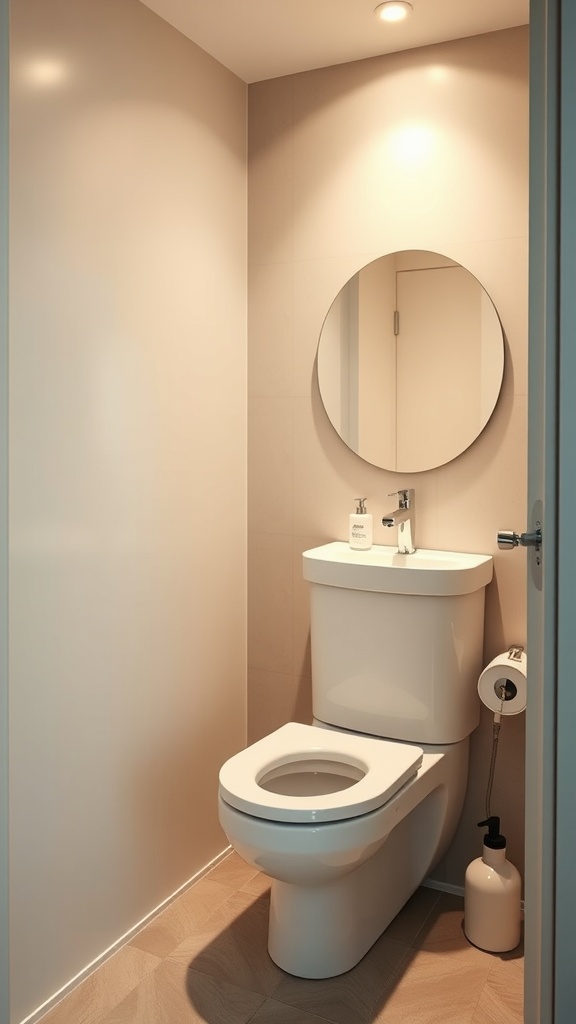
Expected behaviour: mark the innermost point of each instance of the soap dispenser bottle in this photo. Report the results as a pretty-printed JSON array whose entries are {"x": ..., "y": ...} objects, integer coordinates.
[
  {"x": 492, "y": 895},
  {"x": 360, "y": 527}
]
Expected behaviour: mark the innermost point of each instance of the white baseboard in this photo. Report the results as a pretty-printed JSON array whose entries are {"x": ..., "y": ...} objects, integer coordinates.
[
  {"x": 456, "y": 890},
  {"x": 103, "y": 957},
  {"x": 431, "y": 883}
]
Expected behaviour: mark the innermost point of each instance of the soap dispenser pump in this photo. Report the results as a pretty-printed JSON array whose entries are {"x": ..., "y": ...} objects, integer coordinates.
[
  {"x": 360, "y": 529},
  {"x": 492, "y": 907}
]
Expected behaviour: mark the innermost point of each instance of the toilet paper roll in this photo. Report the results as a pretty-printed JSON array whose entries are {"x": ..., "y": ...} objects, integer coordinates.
[{"x": 508, "y": 669}]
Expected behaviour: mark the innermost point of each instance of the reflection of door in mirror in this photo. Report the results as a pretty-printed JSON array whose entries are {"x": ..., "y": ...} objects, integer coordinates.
[
  {"x": 410, "y": 361},
  {"x": 438, "y": 312},
  {"x": 447, "y": 333},
  {"x": 418, "y": 350}
]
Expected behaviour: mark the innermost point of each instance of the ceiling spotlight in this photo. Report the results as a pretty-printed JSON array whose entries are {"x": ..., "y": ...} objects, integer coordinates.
[{"x": 393, "y": 10}]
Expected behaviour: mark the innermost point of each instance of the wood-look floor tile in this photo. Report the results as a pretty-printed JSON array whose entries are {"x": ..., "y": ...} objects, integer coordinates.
[
  {"x": 502, "y": 998},
  {"x": 232, "y": 945},
  {"x": 433, "y": 987},
  {"x": 217, "y": 969},
  {"x": 409, "y": 922},
  {"x": 183, "y": 916},
  {"x": 443, "y": 924},
  {"x": 259, "y": 885},
  {"x": 232, "y": 871},
  {"x": 103, "y": 989},
  {"x": 351, "y": 997},
  {"x": 272, "y": 1012},
  {"x": 174, "y": 995}
]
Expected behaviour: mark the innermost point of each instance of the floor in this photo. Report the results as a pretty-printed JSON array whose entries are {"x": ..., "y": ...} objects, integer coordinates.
[{"x": 204, "y": 959}]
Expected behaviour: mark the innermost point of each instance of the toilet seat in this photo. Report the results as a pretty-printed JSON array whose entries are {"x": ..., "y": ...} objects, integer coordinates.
[{"x": 386, "y": 766}]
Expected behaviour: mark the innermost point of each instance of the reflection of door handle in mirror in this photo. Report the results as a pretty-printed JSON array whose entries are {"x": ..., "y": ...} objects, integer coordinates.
[{"x": 508, "y": 539}]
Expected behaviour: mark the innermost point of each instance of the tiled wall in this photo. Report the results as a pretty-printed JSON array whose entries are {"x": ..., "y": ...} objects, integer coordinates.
[{"x": 333, "y": 185}]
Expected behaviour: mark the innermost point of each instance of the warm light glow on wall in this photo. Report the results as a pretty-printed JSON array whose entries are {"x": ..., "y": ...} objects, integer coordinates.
[
  {"x": 45, "y": 72},
  {"x": 439, "y": 73},
  {"x": 411, "y": 144},
  {"x": 393, "y": 10}
]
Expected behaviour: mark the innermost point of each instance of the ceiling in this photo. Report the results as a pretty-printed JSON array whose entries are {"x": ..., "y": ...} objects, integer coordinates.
[{"x": 258, "y": 39}]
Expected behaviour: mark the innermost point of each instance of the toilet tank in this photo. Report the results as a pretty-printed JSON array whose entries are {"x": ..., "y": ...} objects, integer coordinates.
[{"x": 397, "y": 640}]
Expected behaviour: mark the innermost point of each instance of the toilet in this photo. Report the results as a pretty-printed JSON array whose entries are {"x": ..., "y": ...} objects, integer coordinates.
[{"x": 349, "y": 815}]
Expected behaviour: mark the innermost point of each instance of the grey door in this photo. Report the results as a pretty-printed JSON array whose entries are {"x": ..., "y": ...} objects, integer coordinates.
[{"x": 550, "y": 987}]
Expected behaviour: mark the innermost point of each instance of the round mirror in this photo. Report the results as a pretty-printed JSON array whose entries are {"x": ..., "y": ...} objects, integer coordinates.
[{"x": 410, "y": 361}]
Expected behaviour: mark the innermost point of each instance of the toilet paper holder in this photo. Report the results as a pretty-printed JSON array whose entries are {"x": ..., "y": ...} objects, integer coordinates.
[
  {"x": 515, "y": 652},
  {"x": 502, "y": 684},
  {"x": 504, "y": 688}
]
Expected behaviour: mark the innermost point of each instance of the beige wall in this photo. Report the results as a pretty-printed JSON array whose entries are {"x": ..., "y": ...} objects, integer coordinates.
[
  {"x": 127, "y": 485},
  {"x": 127, "y": 425},
  {"x": 425, "y": 149},
  {"x": 4, "y": 925}
]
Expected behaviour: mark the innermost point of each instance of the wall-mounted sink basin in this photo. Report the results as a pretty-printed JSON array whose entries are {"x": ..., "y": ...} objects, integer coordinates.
[{"x": 426, "y": 572}]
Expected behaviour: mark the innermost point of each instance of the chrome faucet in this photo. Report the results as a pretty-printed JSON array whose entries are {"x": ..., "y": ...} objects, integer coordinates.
[{"x": 404, "y": 519}]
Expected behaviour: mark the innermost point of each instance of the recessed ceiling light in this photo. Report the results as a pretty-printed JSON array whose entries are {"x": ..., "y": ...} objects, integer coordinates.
[{"x": 393, "y": 10}]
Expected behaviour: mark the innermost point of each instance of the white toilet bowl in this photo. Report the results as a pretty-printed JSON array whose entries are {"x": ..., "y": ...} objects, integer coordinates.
[{"x": 330, "y": 816}]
